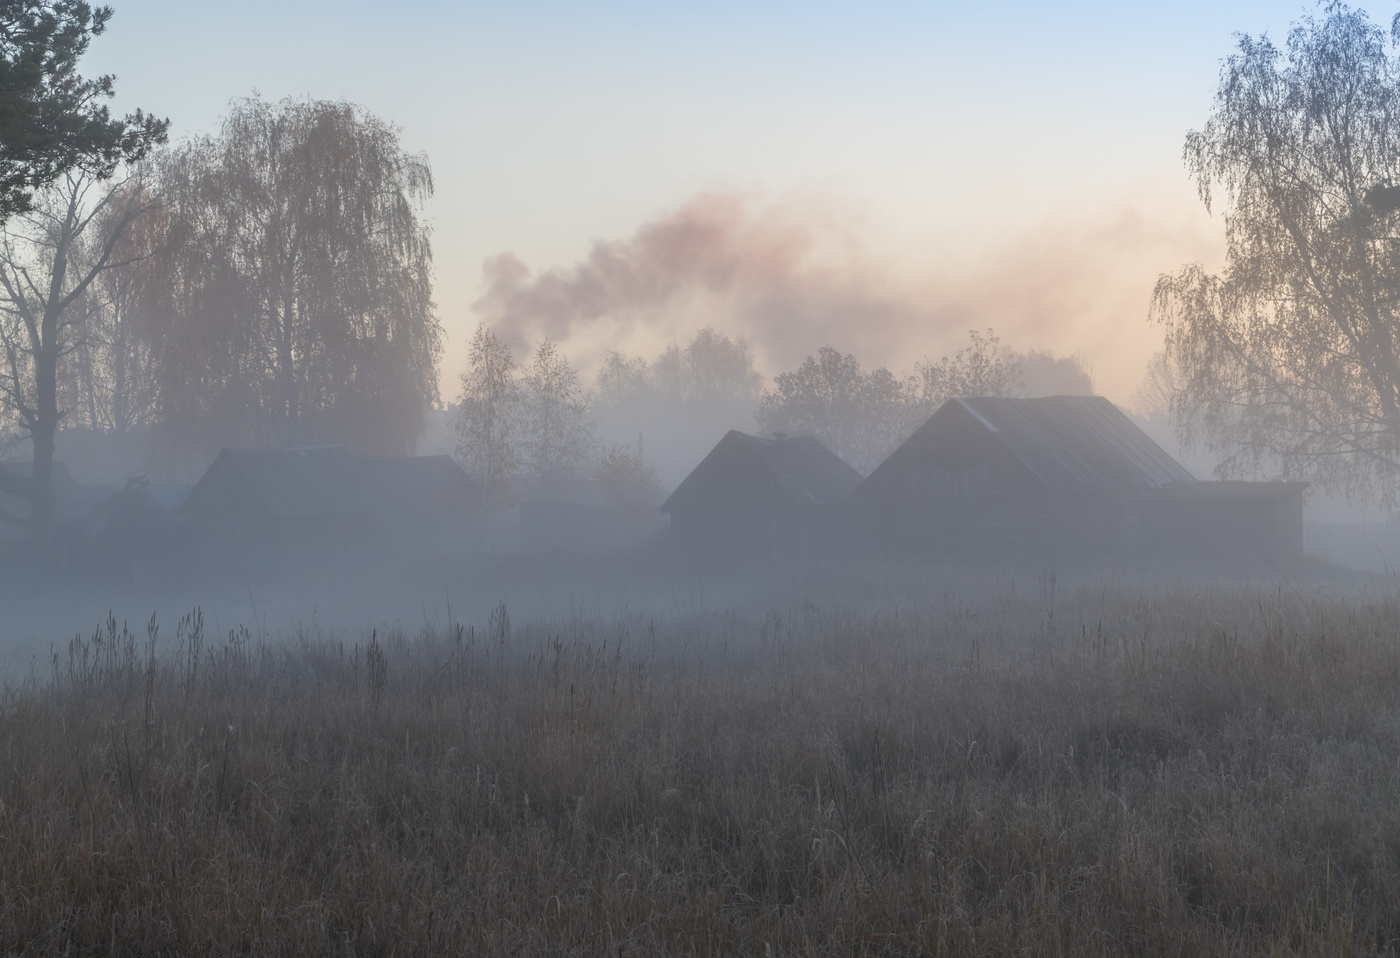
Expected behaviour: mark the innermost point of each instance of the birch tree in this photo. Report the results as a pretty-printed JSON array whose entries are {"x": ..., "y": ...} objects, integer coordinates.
[
  {"x": 1287, "y": 361},
  {"x": 303, "y": 254},
  {"x": 488, "y": 417},
  {"x": 556, "y": 433}
]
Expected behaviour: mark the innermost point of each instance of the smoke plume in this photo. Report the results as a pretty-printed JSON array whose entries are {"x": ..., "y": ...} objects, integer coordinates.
[{"x": 792, "y": 276}]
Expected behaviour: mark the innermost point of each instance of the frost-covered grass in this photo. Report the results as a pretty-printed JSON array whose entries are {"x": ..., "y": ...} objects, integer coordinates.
[{"x": 1020, "y": 768}]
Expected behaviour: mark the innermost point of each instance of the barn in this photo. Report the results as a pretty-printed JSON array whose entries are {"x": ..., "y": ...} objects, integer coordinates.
[
  {"x": 783, "y": 495},
  {"x": 1061, "y": 476}
]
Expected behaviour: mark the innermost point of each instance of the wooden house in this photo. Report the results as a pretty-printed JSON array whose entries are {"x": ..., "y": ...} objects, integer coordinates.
[
  {"x": 762, "y": 496},
  {"x": 1061, "y": 476},
  {"x": 315, "y": 485},
  {"x": 421, "y": 500},
  {"x": 319, "y": 501}
]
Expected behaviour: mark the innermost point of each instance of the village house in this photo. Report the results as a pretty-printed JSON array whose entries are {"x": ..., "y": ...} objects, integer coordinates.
[
  {"x": 313, "y": 502},
  {"x": 763, "y": 496},
  {"x": 1062, "y": 476}
]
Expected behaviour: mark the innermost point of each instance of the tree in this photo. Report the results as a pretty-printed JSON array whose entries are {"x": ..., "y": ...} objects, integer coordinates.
[
  {"x": 684, "y": 398},
  {"x": 52, "y": 120},
  {"x": 297, "y": 248},
  {"x": 1288, "y": 360},
  {"x": 1045, "y": 374},
  {"x": 109, "y": 383},
  {"x": 628, "y": 484},
  {"x": 488, "y": 417},
  {"x": 622, "y": 378},
  {"x": 829, "y": 396},
  {"x": 981, "y": 369},
  {"x": 863, "y": 417},
  {"x": 556, "y": 433},
  {"x": 716, "y": 366},
  {"x": 49, "y": 260}
]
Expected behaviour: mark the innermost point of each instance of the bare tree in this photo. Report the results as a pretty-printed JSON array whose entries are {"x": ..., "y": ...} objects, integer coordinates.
[
  {"x": 488, "y": 417},
  {"x": 1289, "y": 359},
  {"x": 556, "y": 433},
  {"x": 49, "y": 260},
  {"x": 109, "y": 383},
  {"x": 302, "y": 254}
]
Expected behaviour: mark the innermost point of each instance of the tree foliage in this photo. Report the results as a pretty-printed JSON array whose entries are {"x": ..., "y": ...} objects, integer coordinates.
[
  {"x": 300, "y": 281},
  {"x": 862, "y": 416},
  {"x": 53, "y": 120},
  {"x": 1288, "y": 360},
  {"x": 711, "y": 367},
  {"x": 629, "y": 486},
  {"x": 515, "y": 421},
  {"x": 556, "y": 433},
  {"x": 489, "y": 411}
]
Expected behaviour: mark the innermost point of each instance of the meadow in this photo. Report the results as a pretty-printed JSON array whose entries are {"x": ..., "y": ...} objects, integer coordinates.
[{"x": 1017, "y": 766}]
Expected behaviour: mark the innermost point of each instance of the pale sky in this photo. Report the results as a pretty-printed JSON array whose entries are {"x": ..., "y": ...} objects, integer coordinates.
[{"x": 1015, "y": 166}]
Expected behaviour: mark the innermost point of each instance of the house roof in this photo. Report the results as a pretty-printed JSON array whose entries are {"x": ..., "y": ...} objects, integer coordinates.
[
  {"x": 314, "y": 481},
  {"x": 322, "y": 482},
  {"x": 417, "y": 481},
  {"x": 1069, "y": 443},
  {"x": 808, "y": 471}
]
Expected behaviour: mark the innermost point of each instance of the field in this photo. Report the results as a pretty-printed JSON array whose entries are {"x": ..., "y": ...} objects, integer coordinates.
[{"x": 1018, "y": 766}]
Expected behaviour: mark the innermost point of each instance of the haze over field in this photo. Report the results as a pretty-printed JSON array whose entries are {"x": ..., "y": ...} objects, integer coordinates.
[{"x": 629, "y": 478}]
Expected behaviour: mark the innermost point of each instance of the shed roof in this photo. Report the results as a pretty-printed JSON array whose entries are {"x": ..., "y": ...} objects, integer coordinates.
[
  {"x": 1069, "y": 443},
  {"x": 808, "y": 471},
  {"x": 314, "y": 481}
]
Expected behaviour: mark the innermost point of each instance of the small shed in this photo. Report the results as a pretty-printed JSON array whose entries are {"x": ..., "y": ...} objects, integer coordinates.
[
  {"x": 996, "y": 477},
  {"x": 766, "y": 496}
]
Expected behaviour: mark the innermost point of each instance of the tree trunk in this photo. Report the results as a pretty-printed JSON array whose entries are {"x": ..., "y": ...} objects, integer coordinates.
[{"x": 41, "y": 503}]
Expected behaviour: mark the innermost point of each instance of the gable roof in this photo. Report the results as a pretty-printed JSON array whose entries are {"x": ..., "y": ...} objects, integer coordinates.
[
  {"x": 314, "y": 481},
  {"x": 802, "y": 467},
  {"x": 1069, "y": 443}
]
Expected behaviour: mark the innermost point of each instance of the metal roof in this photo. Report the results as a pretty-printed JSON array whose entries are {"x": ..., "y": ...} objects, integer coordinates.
[
  {"x": 811, "y": 473},
  {"x": 1069, "y": 443},
  {"x": 1078, "y": 443}
]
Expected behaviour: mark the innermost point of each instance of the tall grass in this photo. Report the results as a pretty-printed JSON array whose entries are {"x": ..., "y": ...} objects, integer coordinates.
[{"x": 1111, "y": 772}]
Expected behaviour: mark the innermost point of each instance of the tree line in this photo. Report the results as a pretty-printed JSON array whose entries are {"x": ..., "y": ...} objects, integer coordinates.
[
  {"x": 536, "y": 421},
  {"x": 272, "y": 284}
]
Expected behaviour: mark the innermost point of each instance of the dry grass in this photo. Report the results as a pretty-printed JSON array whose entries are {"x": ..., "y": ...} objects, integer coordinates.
[{"x": 1111, "y": 772}]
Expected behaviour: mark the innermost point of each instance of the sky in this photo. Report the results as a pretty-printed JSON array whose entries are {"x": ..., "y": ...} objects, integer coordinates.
[{"x": 876, "y": 176}]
